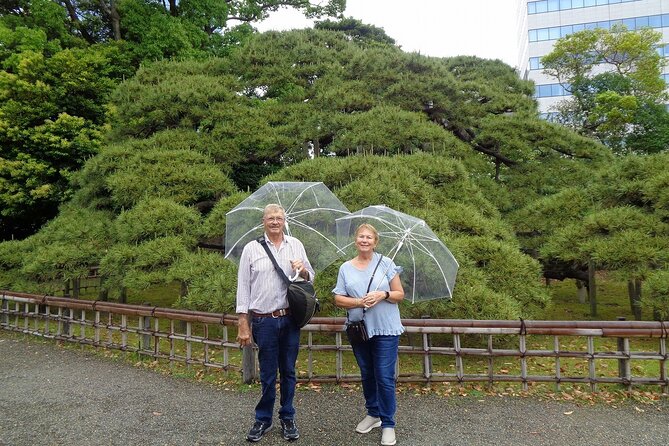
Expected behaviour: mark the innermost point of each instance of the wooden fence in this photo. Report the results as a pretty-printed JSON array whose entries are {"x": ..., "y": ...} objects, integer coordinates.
[{"x": 431, "y": 350}]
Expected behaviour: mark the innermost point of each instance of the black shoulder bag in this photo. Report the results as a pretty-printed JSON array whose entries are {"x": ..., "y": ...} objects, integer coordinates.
[
  {"x": 301, "y": 295},
  {"x": 357, "y": 331}
]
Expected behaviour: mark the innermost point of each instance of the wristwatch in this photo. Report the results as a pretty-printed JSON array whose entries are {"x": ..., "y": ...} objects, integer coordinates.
[{"x": 387, "y": 295}]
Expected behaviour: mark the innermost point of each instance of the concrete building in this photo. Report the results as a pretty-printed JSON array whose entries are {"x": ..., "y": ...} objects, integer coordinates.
[{"x": 542, "y": 22}]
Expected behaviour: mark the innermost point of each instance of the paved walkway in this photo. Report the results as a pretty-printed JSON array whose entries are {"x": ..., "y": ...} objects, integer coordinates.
[{"x": 51, "y": 395}]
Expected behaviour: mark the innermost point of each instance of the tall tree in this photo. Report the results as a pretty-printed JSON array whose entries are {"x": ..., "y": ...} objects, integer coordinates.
[
  {"x": 52, "y": 115},
  {"x": 617, "y": 94}
]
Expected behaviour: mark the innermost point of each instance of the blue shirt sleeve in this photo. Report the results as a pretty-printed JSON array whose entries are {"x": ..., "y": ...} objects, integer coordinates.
[{"x": 340, "y": 287}]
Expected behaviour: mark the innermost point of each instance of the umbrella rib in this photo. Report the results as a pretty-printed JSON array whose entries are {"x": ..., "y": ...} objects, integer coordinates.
[
  {"x": 299, "y": 196},
  {"x": 304, "y": 226},
  {"x": 245, "y": 208},
  {"x": 304, "y": 212},
  {"x": 441, "y": 270},
  {"x": 239, "y": 239}
]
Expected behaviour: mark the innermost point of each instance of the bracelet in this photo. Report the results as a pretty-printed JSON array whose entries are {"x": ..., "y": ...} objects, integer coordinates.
[{"x": 387, "y": 295}]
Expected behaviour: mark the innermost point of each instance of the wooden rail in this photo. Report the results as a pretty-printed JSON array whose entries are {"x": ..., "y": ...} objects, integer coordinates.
[{"x": 431, "y": 350}]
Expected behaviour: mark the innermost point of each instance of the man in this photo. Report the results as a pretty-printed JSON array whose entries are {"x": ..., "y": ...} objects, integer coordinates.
[{"x": 263, "y": 312}]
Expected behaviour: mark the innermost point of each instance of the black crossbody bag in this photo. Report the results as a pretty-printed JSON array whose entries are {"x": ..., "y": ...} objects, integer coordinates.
[
  {"x": 301, "y": 295},
  {"x": 357, "y": 331}
]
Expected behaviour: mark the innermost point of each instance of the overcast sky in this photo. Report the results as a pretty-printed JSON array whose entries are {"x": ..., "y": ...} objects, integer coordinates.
[{"x": 443, "y": 28}]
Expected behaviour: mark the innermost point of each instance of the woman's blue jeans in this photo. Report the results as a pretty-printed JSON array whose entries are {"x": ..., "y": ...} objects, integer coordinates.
[
  {"x": 278, "y": 341},
  {"x": 377, "y": 359}
]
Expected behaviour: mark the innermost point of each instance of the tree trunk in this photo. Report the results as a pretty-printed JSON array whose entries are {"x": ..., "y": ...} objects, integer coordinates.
[
  {"x": 115, "y": 21},
  {"x": 174, "y": 10},
  {"x": 582, "y": 291},
  {"x": 103, "y": 292},
  {"x": 634, "y": 290},
  {"x": 76, "y": 288},
  {"x": 114, "y": 18},
  {"x": 74, "y": 18},
  {"x": 592, "y": 288}
]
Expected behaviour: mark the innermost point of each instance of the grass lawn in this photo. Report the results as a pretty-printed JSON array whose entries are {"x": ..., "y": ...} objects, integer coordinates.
[{"x": 612, "y": 302}]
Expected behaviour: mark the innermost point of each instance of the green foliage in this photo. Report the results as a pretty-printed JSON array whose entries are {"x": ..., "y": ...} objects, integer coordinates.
[
  {"x": 143, "y": 265},
  {"x": 357, "y": 30},
  {"x": 543, "y": 158},
  {"x": 180, "y": 175},
  {"x": 52, "y": 113},
  {"x": 124, "y": 174},
  {"x": 656, "y": 297},
  {"x": 619, "y": 221},
  {"x": 64, "y": 249},
  {"x": 622, "y": 107},
  {"x": 157, "y": 217},
  {"x": 469, "y": 140},
  {"x": 214, "y": 225},
  {"x": 211, "y": 282}
]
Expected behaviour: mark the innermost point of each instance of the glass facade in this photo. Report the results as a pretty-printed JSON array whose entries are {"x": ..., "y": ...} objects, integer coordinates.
[
  {"x": 542, "y": 6},
  {"x": 663, "y": 50},
  {"x": 632, "y": 23},
  {"x": 535, "y": 63},
  {"x": 550, "y": 90},
  {"x": 549, "y": 116}
]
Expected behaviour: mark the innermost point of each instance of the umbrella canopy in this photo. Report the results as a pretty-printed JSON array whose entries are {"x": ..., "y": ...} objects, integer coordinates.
[
  {"x": 429, "y": 268},
  {"x": 311, "y": 210}
]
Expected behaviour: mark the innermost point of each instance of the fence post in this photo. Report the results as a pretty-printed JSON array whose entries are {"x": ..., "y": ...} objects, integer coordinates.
[
  {"x": 622, "y": 363},
  {"x": 427, "y": 347},
  {"x": 5, "y": 311},
  {"x": 145, "y": 343}
]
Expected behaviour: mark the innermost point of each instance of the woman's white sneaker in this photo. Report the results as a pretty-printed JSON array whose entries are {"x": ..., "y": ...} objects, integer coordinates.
[
  {"x": 367, "y": 424},
  {"x": 388, "y": 436}
]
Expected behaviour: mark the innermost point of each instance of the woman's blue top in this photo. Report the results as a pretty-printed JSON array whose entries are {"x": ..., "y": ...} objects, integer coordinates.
[{"x": 384, "y": 317}]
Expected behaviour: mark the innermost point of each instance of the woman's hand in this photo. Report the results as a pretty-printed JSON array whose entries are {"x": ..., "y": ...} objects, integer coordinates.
[{"x": 373, "y": 298}]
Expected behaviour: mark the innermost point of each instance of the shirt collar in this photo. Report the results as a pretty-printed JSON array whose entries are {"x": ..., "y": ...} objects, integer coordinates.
[{"x": 284, "y": 240}]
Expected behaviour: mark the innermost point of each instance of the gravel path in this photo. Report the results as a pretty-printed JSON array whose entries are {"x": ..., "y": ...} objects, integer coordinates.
[{"x": 51, "y": 395}]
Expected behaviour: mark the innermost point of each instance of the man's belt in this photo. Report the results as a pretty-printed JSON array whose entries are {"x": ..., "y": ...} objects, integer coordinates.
[{"x": 276, "y": 313}]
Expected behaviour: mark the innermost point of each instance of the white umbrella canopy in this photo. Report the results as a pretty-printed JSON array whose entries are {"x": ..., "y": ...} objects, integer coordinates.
[
  {"x": 429, "y": 269},
  {"x": 311, "y": 210}
]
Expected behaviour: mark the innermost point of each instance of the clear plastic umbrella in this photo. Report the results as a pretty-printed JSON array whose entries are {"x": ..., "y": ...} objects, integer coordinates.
[
  {"x": 428, "y": 267},
  {"x": 311, "y": 210}
]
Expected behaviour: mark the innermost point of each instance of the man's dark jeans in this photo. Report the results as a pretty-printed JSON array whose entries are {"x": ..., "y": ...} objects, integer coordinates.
[{"x": 278, "y": 341}]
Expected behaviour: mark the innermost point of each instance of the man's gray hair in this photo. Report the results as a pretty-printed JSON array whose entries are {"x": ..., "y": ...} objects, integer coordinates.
[{"x": 272, "y": 207}]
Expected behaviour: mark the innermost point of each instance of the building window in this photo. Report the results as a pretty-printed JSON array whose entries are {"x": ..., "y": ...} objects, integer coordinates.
[
  {"x": 549, "y": 116},
  {"x": 550, "y": 90},
  {"x": 535, "y": 63},
  {"x": 542, "y": 6},
  {"x": 662, "y": 50},
  {"x": 633, "y": 23}
]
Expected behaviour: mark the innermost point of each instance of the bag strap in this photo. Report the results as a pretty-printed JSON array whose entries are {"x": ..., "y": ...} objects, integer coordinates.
[
  {"x": 283, "y": 276},
  {"x": 369, "y": 285}
]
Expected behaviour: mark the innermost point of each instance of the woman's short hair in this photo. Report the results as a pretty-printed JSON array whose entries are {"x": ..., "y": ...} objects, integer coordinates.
[{"x": 371, "y": 229}]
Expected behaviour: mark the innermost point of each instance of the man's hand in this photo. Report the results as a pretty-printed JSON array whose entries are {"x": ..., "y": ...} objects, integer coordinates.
[
  {"x": 298, "y": 265},
  {"x": 243, "y": 330}
]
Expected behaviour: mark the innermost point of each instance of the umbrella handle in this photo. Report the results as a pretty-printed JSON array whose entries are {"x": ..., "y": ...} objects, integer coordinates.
[{"x": 297, "y": 274}]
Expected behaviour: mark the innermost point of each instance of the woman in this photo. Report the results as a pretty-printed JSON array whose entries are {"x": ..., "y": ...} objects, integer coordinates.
[{"x": 376, "y": 304}]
